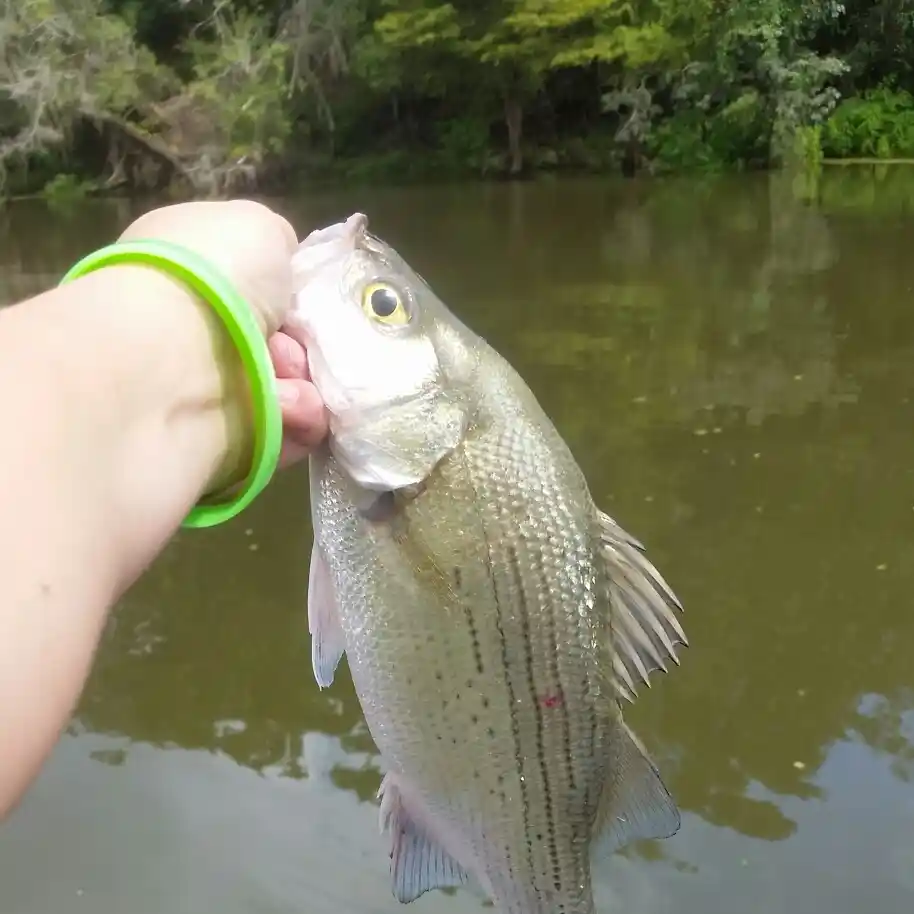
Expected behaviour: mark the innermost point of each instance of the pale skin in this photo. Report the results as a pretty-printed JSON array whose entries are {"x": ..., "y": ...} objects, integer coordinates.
[{"x": 122, "y": 403}]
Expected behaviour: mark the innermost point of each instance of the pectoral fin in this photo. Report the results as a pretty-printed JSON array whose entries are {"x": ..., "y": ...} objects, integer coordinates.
[
  {"x": 643, "y": 610},
  {"x": 417, "y": 863},
  {"x": 635, "y": 805},
  {"x": 327, "y": 641}
]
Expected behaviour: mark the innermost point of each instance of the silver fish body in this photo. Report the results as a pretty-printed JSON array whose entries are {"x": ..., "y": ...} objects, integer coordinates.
[{"x": 492, "y": 617}]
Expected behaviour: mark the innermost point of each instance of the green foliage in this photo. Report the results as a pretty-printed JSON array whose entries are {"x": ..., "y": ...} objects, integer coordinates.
[
  {"x": 66, "y": 188},
  {"x": 543, "y": 35},
  {"x": 680, "y": 144},
  {"x": 240, "y": 83},
  {"x": 223, "y": 94},
  {"x": 510, "y": 49},
  {"x": 464, "y": 145},
  {"x": 808, "y": 147},
  {"x": 755, "y": 50},
  {"x": 736, "y": 135},
  {"x": 62, "y": 64},
  {"x": 879, "y": 124},
  {"x": 61, "y": 61},
  {"x": 874, "y": 38}
]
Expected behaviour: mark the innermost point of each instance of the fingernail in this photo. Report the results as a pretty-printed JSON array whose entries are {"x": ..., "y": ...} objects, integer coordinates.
[{"x": 288, "y": 394}]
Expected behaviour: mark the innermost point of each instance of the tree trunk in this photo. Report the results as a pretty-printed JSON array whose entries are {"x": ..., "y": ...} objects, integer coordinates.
[
  {"x": 514, "y": 121},
  {"x": 152, "y": 145}
]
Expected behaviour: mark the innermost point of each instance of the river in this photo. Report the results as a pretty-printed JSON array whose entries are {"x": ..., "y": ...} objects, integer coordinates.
[{"x": 734, "y": 368}]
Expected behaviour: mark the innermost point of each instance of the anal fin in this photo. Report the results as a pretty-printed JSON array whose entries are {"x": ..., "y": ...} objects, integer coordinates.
[
  {"x": 418, "y": 864},
  {"x": 635, "y": 805},
  {"x": 327, "y": 640}
]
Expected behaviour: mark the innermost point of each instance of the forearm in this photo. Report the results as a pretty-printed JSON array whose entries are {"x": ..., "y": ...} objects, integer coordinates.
[{"x": 130, "y": 413}]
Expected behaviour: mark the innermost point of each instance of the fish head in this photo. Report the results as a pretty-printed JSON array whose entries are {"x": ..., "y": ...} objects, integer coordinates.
[{"x": 391, "y": 363}]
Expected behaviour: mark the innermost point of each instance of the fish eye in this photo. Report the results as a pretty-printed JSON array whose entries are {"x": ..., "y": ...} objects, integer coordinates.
[{"x": 382, "y": 302}]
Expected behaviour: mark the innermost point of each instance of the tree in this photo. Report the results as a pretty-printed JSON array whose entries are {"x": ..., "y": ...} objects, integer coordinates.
[
  {"x": 65, "y": 62},
  {"x": 511, "y": 46}
]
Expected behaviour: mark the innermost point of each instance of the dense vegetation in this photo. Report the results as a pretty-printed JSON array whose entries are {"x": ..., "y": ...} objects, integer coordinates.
[{"x": 211, "y": 95}]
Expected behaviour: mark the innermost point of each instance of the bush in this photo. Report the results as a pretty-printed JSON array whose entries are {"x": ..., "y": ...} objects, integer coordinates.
[
  {"x": 878, "y": 124},
  {"x": 736, "y": 135}
]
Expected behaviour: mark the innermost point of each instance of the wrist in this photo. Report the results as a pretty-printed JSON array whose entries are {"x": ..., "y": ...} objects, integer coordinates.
[
  {"x": 179, "y": 262},
  {"x": 178, "y": 371},
  {"x": 231, "y": 400},
  {"x": 211, "y": 388}
]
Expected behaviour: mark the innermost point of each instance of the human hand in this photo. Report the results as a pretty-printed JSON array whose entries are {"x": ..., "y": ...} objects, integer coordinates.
[{"x": 253, "y": 247}]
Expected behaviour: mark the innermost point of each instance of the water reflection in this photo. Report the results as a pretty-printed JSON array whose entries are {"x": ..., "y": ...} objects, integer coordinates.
[{"x": 732, "y": 367}]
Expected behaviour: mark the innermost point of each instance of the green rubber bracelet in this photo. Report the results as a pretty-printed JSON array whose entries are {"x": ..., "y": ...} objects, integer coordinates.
[{"x": 215, "y": 289}]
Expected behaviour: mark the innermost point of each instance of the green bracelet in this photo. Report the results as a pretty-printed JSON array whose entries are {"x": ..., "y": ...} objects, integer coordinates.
[{"x": 215, "y": 289}]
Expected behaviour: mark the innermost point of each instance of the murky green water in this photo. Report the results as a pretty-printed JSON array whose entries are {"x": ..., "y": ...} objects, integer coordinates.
[{"x": 735, "y": 371}]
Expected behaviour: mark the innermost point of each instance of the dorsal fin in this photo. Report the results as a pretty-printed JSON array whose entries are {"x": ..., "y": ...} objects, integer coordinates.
[{"x": 643, "y": 609}]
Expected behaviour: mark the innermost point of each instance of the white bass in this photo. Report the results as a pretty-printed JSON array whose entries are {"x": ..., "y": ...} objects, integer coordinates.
[{"x": 492, "y": 617}]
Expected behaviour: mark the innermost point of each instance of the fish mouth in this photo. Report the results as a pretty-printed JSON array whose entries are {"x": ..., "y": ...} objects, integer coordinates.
[
  {"x": 349, "y": 233},
  {"x": 327, "y": 244}
]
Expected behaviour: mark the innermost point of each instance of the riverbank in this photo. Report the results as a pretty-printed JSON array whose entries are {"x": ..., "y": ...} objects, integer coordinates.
[
  {"x": 389, "y": 171},
  {"x": 106, "y": 95}
]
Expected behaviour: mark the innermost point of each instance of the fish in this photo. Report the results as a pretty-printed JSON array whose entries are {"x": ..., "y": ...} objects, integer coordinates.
[{"x": 493, "y": 618}]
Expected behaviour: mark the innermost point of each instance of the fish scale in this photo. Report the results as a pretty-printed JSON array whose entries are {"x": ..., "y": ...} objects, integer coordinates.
[
  {"x": 493, "y": 618},
  {"x": 549, "y": 580},
  {"x": 534, "y": 781}
]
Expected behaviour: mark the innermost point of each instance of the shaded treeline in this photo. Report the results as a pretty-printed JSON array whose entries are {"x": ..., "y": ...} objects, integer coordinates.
[{"x": 216, "y": 96}]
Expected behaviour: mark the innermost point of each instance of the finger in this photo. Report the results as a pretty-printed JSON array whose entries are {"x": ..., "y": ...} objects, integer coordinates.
[
  {"x": 294, "y": 333},
  {"x": 292, "y": 453},
  {"x": 303, "y": 412},
  {"x": 289, "y": 357}
]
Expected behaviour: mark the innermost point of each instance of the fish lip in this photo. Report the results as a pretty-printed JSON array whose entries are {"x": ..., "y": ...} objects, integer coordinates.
[
  {"x": 348, "y": 232},
  {"x": 324, "y": 245}
]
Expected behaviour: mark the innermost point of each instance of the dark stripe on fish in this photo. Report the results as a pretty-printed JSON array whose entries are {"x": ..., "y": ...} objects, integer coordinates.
[
  {"x": 471, "y": 621},
  {"x": 512, "y": 699},
  {"x": 552, "y": 665},
  {"x": 514, "y": 562}
]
